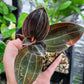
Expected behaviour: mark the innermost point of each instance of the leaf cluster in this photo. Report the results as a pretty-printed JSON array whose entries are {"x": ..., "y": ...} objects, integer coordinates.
[
  {"x": 6, "y": 16},
  {"x": 62, "y": 9}
]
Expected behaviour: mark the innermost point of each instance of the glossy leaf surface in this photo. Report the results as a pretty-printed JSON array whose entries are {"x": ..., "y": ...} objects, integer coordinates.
[
  {"x": 27, "y": 66},
  {"x": 63, "y": 35},
  {"x": 38, "y": 49},
  {"x": 36, "y": 25}
]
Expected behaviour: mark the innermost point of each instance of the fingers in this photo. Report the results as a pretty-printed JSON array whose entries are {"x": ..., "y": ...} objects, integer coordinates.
[
  {"x": 53, "y": 66},
  {"x": 48, "y": 73},
  {"x": 17, "y": 43},
  {"x": 9, "y": 58},
  {"x": 12, "y": 49}
]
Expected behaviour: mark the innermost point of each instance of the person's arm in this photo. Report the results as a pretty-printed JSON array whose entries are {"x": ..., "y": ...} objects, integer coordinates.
[
  {"x": 9, "y": 57},
  {"x": 10, "y": 54}
]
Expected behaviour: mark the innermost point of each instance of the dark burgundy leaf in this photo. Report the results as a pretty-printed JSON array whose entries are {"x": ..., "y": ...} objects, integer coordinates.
[
  {"x": 63, "y": 35},
  {"x": 36, "y": 25}
]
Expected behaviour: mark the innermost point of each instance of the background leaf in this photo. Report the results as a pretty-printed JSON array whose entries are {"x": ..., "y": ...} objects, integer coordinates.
[
  {"x": 6, "y": 32},
  {"x": 21, "y": 20},
  {"x": 45, "y": 1},
  {"x": 75, "y": 8},
  {"x": 27, "y": 66},
  {"x": 12, "y": 8},
  {"x": 78, "y": 2},
  {"x": 65, "y": 5},
  {"x": 1, "y": 67},
  {"x": 2, "y": 48},
  {"x": 54, "y": 1},
  {"x": 3, "y": 8},
  {"x": 10, "y": 17},
  {"x": 63, "y": 35}
]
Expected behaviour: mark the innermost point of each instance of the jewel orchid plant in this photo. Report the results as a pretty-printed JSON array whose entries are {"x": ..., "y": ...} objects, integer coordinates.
[{"x": 38, "y": 38}]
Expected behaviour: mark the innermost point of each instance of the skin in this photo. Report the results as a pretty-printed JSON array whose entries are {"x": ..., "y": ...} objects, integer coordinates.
[{"x": 10, "y": 54}]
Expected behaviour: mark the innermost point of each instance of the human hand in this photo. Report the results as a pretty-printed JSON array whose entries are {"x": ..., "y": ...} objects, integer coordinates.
[{"x": 10, "y": 54}]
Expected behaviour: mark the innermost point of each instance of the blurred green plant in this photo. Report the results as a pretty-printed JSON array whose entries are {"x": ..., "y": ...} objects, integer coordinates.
[
  {"x": 21, "y": 20},
  {"x": 6, "y": 16},
  {"x": 2, "y": 48},
  {"x": 61, "y": 9}
]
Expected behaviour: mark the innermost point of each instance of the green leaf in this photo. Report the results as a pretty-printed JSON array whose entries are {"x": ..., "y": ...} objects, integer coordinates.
[
  {"x": 37, "y": 3},
  {"x": 51, "y": 22},
  {"x": 2, "y": 48},
  {"x": 2, "y": 20},
  {"x": 49, "y": 12},
  {"x": 54, "y": 1},
  {"x": 75, "y": 8},
  {"x": 10, "y": 17},
  {"x": 63, "y": 35},
  {"x": 12, "y": 8},
  {"x": 21, "y": 20},
  {"x": 45, "y": 1},
  {"x": 27, "y": 66},
  {"x": 65, "y": 5},
  {"x": 6, "y": 32},
  {"x": 80, "y": 2},
  {"x": 1, "y": 67},
  {"x": 3, "y": 8}
]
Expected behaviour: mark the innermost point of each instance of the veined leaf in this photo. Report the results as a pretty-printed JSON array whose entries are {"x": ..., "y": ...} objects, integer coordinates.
[
  {"x": 2, "y": 48},
  {"x": 65, "y": 5},
  {"x": 3, "y": 8},
  {"x": 27, "y": 66},
  {"x": 6, "y": 32},
  {"x": 63, "y": 35},
  {"x": 21, "y": 20},
  {"x": 36, "y": 48},
  {"x": 10, "y": 17}
]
